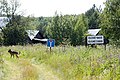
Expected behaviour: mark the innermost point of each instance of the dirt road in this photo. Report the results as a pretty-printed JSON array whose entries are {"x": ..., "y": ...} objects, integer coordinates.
[{"x": 25, "y": 70}]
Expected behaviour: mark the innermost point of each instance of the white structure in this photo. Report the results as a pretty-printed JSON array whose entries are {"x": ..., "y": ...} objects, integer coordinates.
[
  {"x": 94, "y": 38},
  {"x": 32, "y": 33},
  {"x": 3, "y": 21},
  {"x": 40, "y": 39},
  {"x": 93, "y": 31}
]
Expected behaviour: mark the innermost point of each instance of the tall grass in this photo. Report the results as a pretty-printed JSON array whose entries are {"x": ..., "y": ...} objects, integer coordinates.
[
  {"x": 29, "y": 72},
  {"x": 73, "y": 63},
  {"x": 2, "y": 65}
]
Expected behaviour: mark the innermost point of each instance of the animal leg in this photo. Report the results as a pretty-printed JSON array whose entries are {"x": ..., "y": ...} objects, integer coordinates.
[
  {"x": 17, "y": 56},
  {"x": 11, "y": 55}
]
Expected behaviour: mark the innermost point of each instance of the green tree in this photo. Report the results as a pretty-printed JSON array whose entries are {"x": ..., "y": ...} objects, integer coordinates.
[
  {"x": 1, "y": 38},
  {"x": 14, "y": 33},
  {"x": 69, "y": 29},
  {"x": 62, "y": 28},
  {"x": 43, "y": 24},
  {"x": 110, "y": 21},
  {"x": 9, "y": 8},
  {"x": 93, "y": 17},
  {"x": 56, "y": 32},
  {"x": 79, "y": 30}
]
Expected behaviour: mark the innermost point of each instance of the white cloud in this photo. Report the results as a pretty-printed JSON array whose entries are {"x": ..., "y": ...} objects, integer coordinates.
[{"x": 48, "y": 7}]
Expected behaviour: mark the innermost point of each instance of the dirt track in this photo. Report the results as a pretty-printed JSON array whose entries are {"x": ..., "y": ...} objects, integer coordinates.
[{"x": 15, "y": 71}]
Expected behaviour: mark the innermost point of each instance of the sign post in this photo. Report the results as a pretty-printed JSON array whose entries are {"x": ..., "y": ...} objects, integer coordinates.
[{"x": 50, "y": 43}]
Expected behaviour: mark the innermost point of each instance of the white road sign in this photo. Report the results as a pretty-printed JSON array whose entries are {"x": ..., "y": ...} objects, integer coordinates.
[{"x": 95, "y": 39}]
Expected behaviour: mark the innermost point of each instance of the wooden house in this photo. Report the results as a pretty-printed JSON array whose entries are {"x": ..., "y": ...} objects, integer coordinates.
[{"x": 35, "y": 36}]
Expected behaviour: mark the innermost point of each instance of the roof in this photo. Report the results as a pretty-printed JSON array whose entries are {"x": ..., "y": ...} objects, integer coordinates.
[
  {"x": 3, "y": 21},
  {"x": 32, "y": 33},
  {"x": 93, "y": 31}
]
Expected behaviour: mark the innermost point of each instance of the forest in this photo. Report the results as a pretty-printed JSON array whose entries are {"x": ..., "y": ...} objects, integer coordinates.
[
  {"x": 71, "y": 29},
  {"x": 20, "y": 60}
]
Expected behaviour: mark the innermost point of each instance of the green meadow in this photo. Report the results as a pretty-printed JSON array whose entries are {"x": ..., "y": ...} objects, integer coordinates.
[{"x": 36, "y": 62}]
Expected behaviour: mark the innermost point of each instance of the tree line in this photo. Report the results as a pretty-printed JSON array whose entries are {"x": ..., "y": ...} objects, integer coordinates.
[{"x": 65, "y": 29}]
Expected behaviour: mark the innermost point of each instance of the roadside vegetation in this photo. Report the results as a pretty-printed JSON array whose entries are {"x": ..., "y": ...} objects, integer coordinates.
[{"x": 75, "y": 63}]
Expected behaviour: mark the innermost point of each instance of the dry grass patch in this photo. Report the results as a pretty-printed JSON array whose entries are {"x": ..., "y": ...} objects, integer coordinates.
[{"x": 29, "y": 72}]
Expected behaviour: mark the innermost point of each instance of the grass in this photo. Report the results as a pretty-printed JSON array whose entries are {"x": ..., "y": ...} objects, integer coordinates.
[
  {"x": 72, "y": 64},
  {"x": 29, "y": 72}
]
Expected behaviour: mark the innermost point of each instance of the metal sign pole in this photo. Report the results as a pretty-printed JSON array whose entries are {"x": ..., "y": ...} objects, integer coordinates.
[{"x": 50, "y": 45}]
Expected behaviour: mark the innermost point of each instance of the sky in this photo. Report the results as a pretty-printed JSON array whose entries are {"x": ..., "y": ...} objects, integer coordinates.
[{"x": 48, "y": 8}]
